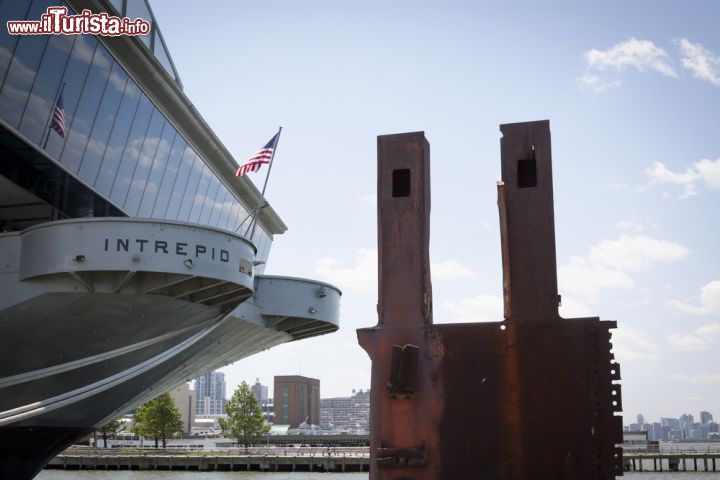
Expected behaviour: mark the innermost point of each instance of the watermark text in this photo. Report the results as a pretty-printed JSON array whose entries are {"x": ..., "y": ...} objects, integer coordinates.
[{"x": 56, "y": 21}]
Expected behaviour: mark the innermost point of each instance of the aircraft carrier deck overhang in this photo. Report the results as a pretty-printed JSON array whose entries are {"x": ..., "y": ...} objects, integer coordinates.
[{"x": 100, "y": 315}]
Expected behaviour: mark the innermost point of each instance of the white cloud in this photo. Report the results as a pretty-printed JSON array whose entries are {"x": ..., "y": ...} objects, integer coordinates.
[
  {"x": 707, "y": 171},
  {"x": 697, "y": 378},
  {"x": 702, "y": 338},
  {"x": 632, "y": 344},
  {"x": 609, "y": 263},
  {"x": 635, "y": 253},
  {"x": 480, "y": 308},
  {"x": 362, "y": 275},
  {"x": 709, "y": 301},
  {"x": 632, "y": 54},
  {"x": 687, "y": 342},
  {"x": 450, "y": 270},
  {"x": 596, "y": 84},
  {"x": 703, "y": 63},
  {"x": 571, "y": 308},
  {"x": 633, "y": 224},
  {"x": 587, "y": 280}
]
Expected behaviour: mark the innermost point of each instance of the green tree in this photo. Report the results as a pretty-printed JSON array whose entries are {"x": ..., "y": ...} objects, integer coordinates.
[
  {"x": 245, "y": 421},
  {"x": 111, "y": 428},
  {"x": 159, "y": 418}
]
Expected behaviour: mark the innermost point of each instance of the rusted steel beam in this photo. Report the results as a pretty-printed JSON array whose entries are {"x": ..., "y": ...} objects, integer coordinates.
[
  {"x": 530, "y": 221},
  {"x": 532, "y": 397},
  {"x": 405, "y": 413}
]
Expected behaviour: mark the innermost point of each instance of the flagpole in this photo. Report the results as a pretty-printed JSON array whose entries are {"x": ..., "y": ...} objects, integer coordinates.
[
  {"x": 253, "y": 222},
  {"x": 52, "y": 113}
]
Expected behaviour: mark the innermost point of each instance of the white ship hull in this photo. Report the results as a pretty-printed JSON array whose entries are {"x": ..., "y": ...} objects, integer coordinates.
[{"x": 100, "y": 315}]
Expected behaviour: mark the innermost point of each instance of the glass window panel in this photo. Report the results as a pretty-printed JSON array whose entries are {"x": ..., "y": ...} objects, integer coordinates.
[
  {"x": 232, "y": 221},
  {"x": 34, "y": 123},
  {"x": 200, "y": 195},
  {"x": 156, "y": 172},
  {"x": 169, "y": 177},
  {"x": 162, "y": 55},
  {"x": 74, "y": 79},
  {"x": 142, "y": 168},
  {"x": 118, "y": 5},
  {"x": 87, "y": 109},
  {"x": 139, "y": 9},
  {"x": 104, "y": 122},
  {"x": 217, "y": 210},
  {"x": 192, "y": 187},
  {"x": 23, "y": 69},
  {"x": 225, "y": 209},
  {"x": 10, "y": 10},
  {"x": 210, "y": 201},
  {"x": 118, "y": 138},
  {"x": 132, "y": 151},
  {"x": 181, "y": 184}
]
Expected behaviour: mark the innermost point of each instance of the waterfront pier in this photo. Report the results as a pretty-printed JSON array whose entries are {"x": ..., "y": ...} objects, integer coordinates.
[
  {"x": 672, "y": 462},
  {"x": 259, "y": 460}
]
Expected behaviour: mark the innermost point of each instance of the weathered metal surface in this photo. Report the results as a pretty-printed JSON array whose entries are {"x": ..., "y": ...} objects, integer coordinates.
[{"x": 532, "y": 397}]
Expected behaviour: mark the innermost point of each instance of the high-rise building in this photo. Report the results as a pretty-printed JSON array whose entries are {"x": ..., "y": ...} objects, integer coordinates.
[
  {"x": 184, "y": 399},
  {"x": 655, "y": 432},
  {"x": 297, "y": 400},
  {"x": 705, "y": 418},
  {"x": 640, "y": 419},
  {"x": 210, "y": 394},
  {"x": 261, "y": 392},
  {"x": 686, "y": 424},
  {"x": 346, "y": 413}
]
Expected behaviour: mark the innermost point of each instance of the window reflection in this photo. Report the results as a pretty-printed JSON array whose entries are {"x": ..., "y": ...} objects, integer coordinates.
[
  {"x": 152, "y": 186},
  {"x": 222, "y": 208},
  {"x": 132, "y": 151},
  {"x": 74, "y": 79},
  {"x": 118, "y": 138},
  {"x": 188, "y": 199},
  {"x": 181, "y": 183},
  {"x": 34, "y": 123},
  {"x": 199, "y": 200},
  {"x": 142, "y": 167},
  {"x": 23, "y": 68},
  {"x": 210, "y": 201},
  {"x": 104, "y": 122},
  {"x": 170, "y": 176},
  {"x": 10, "y": 10},
  {"x": 138, "y": 9},
  {"x": 82, "y": 122},
  {"x": 162, "y": 55}
]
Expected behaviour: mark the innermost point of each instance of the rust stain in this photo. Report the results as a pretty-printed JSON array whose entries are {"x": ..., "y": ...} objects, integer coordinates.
[{"x": 534, "y": 396}]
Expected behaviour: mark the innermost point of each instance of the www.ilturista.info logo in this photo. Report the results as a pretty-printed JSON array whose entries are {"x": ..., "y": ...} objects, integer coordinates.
[{"x": 57, "y": 21}]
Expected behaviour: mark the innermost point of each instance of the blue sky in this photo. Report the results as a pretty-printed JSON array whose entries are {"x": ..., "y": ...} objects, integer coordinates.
[{"x": 632, "y": 92}]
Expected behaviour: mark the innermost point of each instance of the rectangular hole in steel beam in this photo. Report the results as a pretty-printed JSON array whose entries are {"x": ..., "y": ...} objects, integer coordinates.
[
  {"x": 527, "y": 173},
  {"x": 401, "y": 183}
]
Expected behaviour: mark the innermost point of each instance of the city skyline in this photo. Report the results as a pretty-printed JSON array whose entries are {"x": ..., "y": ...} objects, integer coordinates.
[{"x": 632, "y": 100}]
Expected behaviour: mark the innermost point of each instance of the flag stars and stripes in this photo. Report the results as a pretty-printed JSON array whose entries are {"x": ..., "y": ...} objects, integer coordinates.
[
  {"x": 258, "y": 159},
  {"x": 58, "y": 117}
]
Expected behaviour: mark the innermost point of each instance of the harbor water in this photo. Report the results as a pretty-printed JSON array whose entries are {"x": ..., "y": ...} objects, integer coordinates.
[{"x": 175, "y": 475}]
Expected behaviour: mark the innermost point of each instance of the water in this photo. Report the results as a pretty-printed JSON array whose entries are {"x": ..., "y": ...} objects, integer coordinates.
[{"x": 175, "y": 475}]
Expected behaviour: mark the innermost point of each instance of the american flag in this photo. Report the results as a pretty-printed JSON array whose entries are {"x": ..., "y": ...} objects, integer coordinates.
[
  {"x": 58, "y": 117},
  {"x": 257, "y": 160}
]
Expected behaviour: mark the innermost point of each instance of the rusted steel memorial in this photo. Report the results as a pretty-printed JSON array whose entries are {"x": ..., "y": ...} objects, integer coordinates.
[{"x": 534, "y": 396}]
